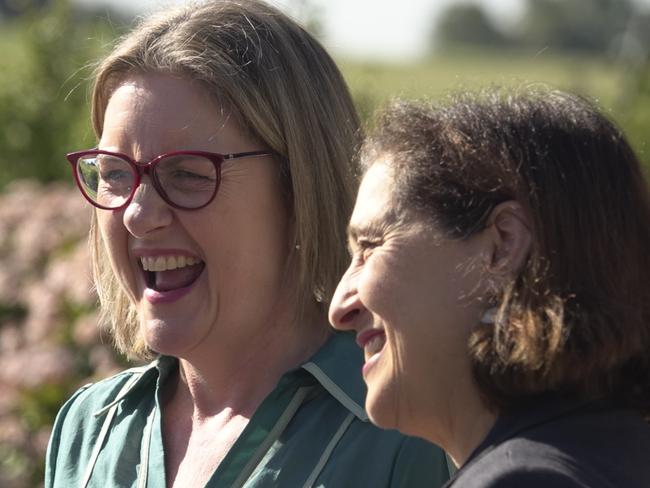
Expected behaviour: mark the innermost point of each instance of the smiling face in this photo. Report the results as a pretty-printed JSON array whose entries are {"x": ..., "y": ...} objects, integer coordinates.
[
  {"x": 206, "y": 267},
  {"x": 410, "y": 295}
]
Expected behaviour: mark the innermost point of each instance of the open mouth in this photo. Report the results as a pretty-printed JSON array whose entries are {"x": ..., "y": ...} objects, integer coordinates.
[
  {"x": 167, "y": 273},
  {"x": 374, "y": 345},
  {"x": 372, "y": 341}
]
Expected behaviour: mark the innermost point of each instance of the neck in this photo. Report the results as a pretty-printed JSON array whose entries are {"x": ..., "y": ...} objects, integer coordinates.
[
  {"x": 237, "y": 375},
  {"x": 464, "y": 424},
  {"x": 468, "y": 433}
]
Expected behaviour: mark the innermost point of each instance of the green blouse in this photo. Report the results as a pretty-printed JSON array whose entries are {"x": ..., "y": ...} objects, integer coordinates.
[{"x": 311, "y": 430}]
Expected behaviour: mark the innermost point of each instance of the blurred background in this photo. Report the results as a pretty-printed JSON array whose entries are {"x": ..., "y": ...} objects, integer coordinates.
[{"x": 49, "y": 343}]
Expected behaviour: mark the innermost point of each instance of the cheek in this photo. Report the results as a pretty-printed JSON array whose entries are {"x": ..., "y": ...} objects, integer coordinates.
[
  {"x": 114, "y": 242},
  {"x": 374, "y": 287},
  {"x": 107, "y": 224},
  {"x": 403, "y": 306},
  {"x": 245, "y": 251},
  {"x": 112, "y": 234}
]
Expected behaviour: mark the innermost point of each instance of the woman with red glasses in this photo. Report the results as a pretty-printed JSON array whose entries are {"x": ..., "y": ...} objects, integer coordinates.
[{"x": 222, "y": 181}]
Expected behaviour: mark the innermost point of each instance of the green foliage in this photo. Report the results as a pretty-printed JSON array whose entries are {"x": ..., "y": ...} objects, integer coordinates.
[
  {"x": 458, "y": 69},
  {"x": 624, "y": 97},
  {"x": 38, "y": 407},
  {"x": 15, "y": 465},
  {"x": 43, "y": 90},
  {"x": 591, "y": 26},
  {"x": 635, "y": 113},
  {"x": 10, "y": 312},
  {"x": 575, "y": 25}
]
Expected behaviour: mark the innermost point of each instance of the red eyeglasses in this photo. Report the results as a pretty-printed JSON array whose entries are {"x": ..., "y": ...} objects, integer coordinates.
[{"x": 186, "y": 180}]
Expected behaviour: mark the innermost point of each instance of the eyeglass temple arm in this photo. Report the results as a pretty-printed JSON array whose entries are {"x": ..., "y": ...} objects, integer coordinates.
[{"x": 248, "y": 154}]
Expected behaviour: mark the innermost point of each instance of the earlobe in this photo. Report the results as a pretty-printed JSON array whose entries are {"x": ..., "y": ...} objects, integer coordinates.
[{"x": 511, "y": 234}]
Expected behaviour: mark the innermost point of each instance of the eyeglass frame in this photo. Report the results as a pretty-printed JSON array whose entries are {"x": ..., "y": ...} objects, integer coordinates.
[{"x": 142, "y": 168}]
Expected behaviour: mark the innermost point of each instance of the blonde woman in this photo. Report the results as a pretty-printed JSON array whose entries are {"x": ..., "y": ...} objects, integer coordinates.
[{"x": 222, "y": 183}]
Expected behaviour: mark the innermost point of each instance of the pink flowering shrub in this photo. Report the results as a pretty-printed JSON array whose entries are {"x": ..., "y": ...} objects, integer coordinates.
[{"x": 49, "y": 340}]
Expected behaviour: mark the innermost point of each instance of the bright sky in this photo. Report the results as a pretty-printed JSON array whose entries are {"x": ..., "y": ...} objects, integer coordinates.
[
  {"x": 396, "y": 30},
  {"x": 393, "y": 29}
]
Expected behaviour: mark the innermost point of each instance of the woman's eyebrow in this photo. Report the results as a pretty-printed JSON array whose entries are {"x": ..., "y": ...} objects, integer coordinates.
[
  {"x": 373, "y": 227},
  {"x": 356, "y": 230},
  {"x": 352, "y": 231}
]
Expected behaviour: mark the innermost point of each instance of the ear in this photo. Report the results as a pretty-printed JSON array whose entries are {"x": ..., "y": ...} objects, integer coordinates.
[{"x": 509, "y": 230}]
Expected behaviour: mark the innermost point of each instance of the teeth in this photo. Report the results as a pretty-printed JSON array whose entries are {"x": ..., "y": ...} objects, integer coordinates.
[
  {"x": 375, "y": 344},
  {"x": 165, "y": 263}
]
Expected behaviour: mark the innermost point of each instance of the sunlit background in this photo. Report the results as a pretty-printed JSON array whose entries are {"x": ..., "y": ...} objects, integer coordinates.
[{"x": 49, "y": 343}]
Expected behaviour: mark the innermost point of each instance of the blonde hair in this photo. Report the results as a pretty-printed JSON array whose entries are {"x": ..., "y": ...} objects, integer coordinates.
[{"x": 286, "y": 91}]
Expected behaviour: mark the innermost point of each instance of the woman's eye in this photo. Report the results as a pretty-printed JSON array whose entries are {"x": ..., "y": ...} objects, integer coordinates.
[
  {"x": 366, "y": 247},
  {"x": 189, "y": 175},
  {"x": 114, "y": 176}
]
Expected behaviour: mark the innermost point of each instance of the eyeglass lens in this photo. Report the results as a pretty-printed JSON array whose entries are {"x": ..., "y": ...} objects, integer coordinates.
[{"x": 187, "y": 180}]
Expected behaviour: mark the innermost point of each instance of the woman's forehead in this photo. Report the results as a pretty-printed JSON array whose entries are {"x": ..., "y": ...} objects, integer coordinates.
[
  {"x": 375, "y": 202},
  {"x": 161, "y": 113}
]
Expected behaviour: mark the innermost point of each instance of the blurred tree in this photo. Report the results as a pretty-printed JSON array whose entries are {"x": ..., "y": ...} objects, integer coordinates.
[
  {"x": 10, "y": 8},
  {"x": 637, "y": 122},
  {"x": 575, "y": 25},
  {"x": 43, "y": 89},
  {"x": 467, "y": 23},
  {"x": 633, "y": 55},
  {"x": 593, "y": 26}
]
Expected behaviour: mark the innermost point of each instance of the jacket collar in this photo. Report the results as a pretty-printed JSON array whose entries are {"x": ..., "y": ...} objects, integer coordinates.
[
  {"x": 537, "y": 410},
  {"x": 336, "y": 366}
]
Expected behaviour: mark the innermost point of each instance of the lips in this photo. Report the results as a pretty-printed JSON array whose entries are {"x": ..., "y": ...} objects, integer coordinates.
[{"x": 372, "y": 341}]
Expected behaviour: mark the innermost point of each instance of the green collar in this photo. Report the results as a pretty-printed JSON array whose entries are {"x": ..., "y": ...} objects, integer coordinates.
[{"x": 335, "y": 366}]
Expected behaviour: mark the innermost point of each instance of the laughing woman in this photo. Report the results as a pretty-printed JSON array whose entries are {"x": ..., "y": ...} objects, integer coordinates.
[
  {"x": 222, "y": 184},
  {"x": 500, "y": 288}
]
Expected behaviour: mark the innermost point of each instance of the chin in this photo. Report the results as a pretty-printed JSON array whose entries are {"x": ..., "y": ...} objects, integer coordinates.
[
  {"x": 391, "y": 406},
  {"x": 168, "y": 339},
  {"x": 382, "y": 410}
]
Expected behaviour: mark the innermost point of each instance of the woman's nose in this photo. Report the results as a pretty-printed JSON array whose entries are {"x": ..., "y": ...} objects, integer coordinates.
[
  {"x": 147, "y": 211},
  {"x": 346, "y": 306}
]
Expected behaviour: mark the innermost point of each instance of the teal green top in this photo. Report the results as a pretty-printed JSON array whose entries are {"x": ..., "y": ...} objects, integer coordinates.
[{"x": 311, "y": 430}]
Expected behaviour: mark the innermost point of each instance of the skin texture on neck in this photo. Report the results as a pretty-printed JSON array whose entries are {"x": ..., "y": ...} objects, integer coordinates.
[
  {"x": 466, "y": 424},
  {"x": 243, "y": 375},
  {"x": 208, "y": 403}
]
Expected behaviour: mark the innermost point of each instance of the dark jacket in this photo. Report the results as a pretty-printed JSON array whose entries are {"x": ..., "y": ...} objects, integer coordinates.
[{"x": 557, "y": 443}]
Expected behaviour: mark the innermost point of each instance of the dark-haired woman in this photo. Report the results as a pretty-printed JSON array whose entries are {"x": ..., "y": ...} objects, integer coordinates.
[{"x": 500, "y": 289}]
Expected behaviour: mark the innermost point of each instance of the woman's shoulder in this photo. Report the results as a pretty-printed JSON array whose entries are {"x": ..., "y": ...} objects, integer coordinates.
[
  {"x": 601, "y": 450},
  {"x": 521, "y": 462},
  {"x": 80, "y": 419},
  {"x": 84, "y": 409},
  {"x": 93, "y": 397}
]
